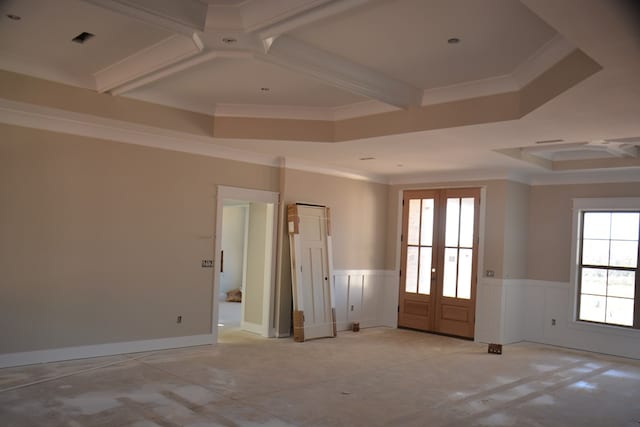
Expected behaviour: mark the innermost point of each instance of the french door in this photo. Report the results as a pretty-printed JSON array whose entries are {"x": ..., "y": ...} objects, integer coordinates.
[{"x": 439, "y": 260}]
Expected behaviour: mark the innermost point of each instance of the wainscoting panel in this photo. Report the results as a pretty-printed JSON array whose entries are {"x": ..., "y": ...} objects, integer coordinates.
[{"x": 365, "y": 296}]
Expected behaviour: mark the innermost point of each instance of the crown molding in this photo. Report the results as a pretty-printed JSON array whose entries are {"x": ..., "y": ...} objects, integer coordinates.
[
  {"x": 458, "y": 176},
  {"x": 274, "y": 112},
  {"x": 466, "y": 90},
  {"x": 305, "y": 166},
  {"x": 61, "y": 121},
  {"x": 360, "y": 109},
  {"x": 544, "y": 58},
  {"x": 608, "y": 176}
]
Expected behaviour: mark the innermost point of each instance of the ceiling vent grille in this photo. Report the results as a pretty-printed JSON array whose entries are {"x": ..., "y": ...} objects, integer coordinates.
[{"x": 82, "y": 37}]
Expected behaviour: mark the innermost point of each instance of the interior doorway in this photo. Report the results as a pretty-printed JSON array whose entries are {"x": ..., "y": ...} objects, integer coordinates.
[
  {"x": 245, "y": 240},
  {"x": 439, "y": 259}
]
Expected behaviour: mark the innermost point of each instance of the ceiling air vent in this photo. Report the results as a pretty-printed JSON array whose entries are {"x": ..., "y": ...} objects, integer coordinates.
[{"x": 82, "y": 37}]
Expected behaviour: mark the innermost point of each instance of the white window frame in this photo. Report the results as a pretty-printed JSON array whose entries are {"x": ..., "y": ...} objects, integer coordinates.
[{"x": 594, "y": 204}]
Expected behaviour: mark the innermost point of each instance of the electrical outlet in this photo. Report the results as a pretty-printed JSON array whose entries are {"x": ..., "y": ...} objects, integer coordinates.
[
  {"x": 207, "y": 263},
  {"x": 179, "y": 319},
  {"x": 553, "y": 322},
  {"x": 490, "y": 273}
]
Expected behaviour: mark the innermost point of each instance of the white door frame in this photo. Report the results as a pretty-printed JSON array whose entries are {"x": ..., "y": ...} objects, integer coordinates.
[{"x": 250, "y": 195}]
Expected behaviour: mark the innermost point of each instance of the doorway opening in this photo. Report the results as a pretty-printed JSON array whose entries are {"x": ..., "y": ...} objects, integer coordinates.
[{"x": 245, "y": 261}]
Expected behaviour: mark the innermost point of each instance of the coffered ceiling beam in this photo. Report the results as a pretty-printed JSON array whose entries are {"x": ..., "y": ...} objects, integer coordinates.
[
  {"x": 296, "y": 14},
  {"x": 169, "y": 51},
  {"x": 179, "y": 16},
  {"x": 338, "y": 72},
  {"x": 181, "y": 66}
]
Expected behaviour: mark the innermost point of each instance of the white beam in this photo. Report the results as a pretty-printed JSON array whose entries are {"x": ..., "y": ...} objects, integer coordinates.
[
  {"x": 339, "y": 72},
  {"x": 149, "y": 60},
  {"x": 179, "y": 16},
  {"x": 176, "y": 68},
  {"x": 314, "y": 11}
]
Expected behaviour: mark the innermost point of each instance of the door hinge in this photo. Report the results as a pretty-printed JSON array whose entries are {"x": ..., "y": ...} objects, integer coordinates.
[
  {"x": 402, "y": 202},
  {"x": 400, "y": 272},
  {"x": 401, "y": 238},
  {"x": 398, "y": 309}
]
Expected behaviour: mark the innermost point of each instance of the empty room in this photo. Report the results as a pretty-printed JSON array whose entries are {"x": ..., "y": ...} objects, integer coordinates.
[{"x": 319, "y": 213}]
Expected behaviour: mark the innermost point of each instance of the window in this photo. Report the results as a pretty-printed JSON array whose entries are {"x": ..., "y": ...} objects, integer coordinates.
[{"x": 607, "y": 267}]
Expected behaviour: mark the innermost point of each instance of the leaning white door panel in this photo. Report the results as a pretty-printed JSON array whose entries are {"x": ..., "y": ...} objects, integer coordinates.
[{"x": 314, "y": 314}]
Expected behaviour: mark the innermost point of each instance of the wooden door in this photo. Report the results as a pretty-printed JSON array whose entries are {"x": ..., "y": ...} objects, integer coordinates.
[
  {"x": 310, "y": 243},
  {"x": 439, "y": 261}
]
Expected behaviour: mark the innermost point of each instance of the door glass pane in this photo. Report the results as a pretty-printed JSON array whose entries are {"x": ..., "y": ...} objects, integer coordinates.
[
  {"x": 592, "y": 308},
  {"x": 623, "y": 253},
  {"x": 624, "y": 225},
  {"x": 597, "y": 225},
  {"x": 453, "y": 217},
  {"x": 594, "y": 281},
  {"x": 595, "y": 252},
  {"x": 413, "y": 231},
  {"x": 466, "y": 222},
  {"x": 411, "y": 280},
  {"x": 621, "y": 284},
  {"x": 450, "y": 267},
  {"x": 620, "y": 311},
  {"x": 426, "y": 233},
  {"x": 464, "y": 273},
  {"x": 424, "y": 286}
]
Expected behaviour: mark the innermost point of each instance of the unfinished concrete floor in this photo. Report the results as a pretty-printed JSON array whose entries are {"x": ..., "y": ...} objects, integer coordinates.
[{"x": 377, "y": 377}]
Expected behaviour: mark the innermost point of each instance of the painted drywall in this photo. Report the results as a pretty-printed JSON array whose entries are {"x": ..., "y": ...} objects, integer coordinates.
[
  {"x": 550, "y": 222},
  {"x": 516, "y": 231},
  {"x": 358, "y": 224},
  {"x": 259, "y": 244},
  {"x": 233, "y": 244},
  {"x": 102, "y": 242}
]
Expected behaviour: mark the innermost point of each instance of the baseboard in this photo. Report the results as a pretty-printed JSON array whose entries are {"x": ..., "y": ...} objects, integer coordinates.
[
  {"x": 252, "y": 327},
  {"x": 98, "y": 350}
]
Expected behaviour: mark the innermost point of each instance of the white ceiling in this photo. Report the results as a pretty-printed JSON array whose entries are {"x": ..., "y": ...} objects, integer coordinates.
[
  {"x": 329, "y": 55},
  {"x": 239, "y": 81},
  {"x": 407, "y": 39}
]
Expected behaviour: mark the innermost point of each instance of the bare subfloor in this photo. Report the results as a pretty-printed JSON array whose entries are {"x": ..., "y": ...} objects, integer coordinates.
[{"x": 376, "y": 377}]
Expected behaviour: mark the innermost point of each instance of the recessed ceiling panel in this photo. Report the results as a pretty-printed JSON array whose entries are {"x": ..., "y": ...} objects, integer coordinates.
[
  {"x": 408, "y": 39},
  {"x": 241, "y": 81},
  {"x": 41, "y": 39}
]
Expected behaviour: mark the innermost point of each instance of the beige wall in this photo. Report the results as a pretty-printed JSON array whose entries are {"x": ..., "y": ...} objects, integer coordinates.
[
  {"x": 233, "y": 245},
  {"x": 258, "y": 260},
  {"x": 550, "y": 222},
  {"x": 516, "y": 231},
  {"x": 102, "y": 242}
]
